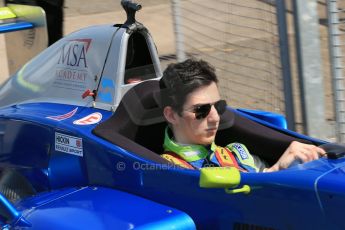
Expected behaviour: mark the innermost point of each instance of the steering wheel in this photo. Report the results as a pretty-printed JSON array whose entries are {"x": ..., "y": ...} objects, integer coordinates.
[{"x": 334, "y": 150}]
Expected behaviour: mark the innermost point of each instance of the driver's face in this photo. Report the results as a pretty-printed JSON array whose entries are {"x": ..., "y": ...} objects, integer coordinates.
[{"x": 188, "y": 129}]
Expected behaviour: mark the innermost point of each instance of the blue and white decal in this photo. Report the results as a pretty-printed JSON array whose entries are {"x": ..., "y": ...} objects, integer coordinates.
[
  {"x": 243, "y": 153},
  {"x": 68, "y": 144},
  {"x": 106, "y": 91}
]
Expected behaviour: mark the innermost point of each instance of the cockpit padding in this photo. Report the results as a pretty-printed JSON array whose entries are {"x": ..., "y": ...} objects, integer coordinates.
[
  {"x": 267, "y": 143},
  {"x": 138, "y": 125}
]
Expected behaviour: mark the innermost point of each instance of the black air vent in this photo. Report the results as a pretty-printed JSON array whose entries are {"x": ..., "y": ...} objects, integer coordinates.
[{"x": 243, "y": 226}]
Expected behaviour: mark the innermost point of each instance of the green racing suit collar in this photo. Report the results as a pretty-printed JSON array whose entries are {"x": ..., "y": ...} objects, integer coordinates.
[{"x": 189, "y": 153}]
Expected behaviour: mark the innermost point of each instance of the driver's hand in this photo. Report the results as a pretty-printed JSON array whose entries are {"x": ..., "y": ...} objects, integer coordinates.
[{"x": 297, "y": 151}]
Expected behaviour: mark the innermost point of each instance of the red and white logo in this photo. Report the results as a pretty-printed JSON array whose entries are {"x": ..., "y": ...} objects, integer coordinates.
[
  {"x": 91, "y": 119},
  {"x": 63, "y": 116},
  {"x": 78, "y": 143}
]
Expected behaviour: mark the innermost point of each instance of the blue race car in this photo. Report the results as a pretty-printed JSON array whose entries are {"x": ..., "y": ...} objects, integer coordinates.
[{"x": 81, "y": 133}]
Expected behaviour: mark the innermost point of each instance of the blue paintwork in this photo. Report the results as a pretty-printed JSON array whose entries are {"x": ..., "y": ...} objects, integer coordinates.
[
  {"x": 177, "y": 188},
  {"x": 109, "y": 187},
  {"x": 11, "y": 213},
  {"x": 99, "y": 208},
  {"x": 15, "y": 26},
  {"x": 273, "y": 118},
  {"x": 275, "y": 201},
  {"x": 38, "y": 141},
  {"x": 331, "y": 190},
  {"x": 274, "y": 121}
]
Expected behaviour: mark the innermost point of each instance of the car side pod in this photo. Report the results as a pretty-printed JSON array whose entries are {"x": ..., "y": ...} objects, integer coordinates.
[
  {"x": 10, "y": 215},
  {"x": 228, "y": 178}
]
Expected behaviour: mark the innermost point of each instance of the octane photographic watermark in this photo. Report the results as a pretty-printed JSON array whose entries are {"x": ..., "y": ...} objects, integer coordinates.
[{"x": 122, "y": 166}]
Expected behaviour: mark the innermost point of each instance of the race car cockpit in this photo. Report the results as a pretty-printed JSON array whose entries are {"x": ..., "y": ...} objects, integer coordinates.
[
  {"x": 81, "y": 133},
  {"x": 138, "y": 125}
]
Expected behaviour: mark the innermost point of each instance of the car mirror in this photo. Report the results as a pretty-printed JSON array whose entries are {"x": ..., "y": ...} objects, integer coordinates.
[
  {"x": 219, "y": 177},
  {"x": 334, "y": 150}
]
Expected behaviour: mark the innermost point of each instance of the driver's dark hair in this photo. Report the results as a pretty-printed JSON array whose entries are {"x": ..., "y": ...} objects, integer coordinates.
[{"x": 180, "y": 79}]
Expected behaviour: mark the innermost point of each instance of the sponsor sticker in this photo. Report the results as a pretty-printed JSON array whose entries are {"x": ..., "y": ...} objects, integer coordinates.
[
  {"x": 71, "y": 71},
  {"x": 69, "y": 144},
  {"x": 63, "y": 116},
  {"x": 90, "y": 119},
  {"x": 191, "y": 153},
  {"x": 241, "y": 150}
]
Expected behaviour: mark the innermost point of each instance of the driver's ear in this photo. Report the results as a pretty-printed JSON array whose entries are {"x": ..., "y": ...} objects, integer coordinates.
[{"x": 170, "y": 115}]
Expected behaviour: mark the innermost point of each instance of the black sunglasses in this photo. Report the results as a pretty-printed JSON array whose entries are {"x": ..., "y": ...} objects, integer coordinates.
[{"x": 201, "y": 111}]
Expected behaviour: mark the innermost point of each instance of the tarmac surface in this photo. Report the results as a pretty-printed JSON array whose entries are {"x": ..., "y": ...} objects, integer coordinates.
[{"x": 155, "y": 15}]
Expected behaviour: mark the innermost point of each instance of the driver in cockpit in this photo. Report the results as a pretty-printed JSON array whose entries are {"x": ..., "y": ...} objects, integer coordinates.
[{"x": 192, "y": 106}]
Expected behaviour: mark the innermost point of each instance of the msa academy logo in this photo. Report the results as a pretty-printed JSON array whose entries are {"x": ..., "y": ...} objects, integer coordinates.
[
  {"x": 69, "y": 144},
  {"x": 91, "y": 119}
]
